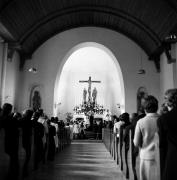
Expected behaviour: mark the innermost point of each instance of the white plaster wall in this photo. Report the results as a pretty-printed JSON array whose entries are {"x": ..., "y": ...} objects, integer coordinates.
[
  {"x": 168, "y": 74},
  {"x": 174, "y": 55},
  {"x": 1, "y": 70},
  {"x": 11, "y": 79},
  {"x": 1, "y": 56},
  {"x": 48, "y": 57}
]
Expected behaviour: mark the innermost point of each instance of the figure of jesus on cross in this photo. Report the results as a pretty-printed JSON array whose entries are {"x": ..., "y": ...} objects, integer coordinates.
[{"x": 89, "y": 86}]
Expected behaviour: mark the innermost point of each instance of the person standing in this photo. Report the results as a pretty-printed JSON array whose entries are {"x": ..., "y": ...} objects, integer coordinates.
[
  {"x": 167, "y": 125},
  {"x": 11, "y": 140},
  {"x": 76, "y": 130},
  {"x": 82, "y": 130},
  {"x": 27, "y": 125},
  {"x": 144, "y": 138},
  {"x": 116, "y": 129}
]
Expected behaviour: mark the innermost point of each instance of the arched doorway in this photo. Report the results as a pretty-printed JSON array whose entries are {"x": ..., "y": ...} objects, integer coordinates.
[{"x": 86, "y": 60}]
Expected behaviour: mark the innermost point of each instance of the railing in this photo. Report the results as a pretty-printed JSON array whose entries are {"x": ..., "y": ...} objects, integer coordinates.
[
  {"x": 34, "y": 162},
  {"x": 124, "y": 153}
]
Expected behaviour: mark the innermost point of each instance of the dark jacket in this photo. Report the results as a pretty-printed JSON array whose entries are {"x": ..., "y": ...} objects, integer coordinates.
[{"x": 167, "y": 125}]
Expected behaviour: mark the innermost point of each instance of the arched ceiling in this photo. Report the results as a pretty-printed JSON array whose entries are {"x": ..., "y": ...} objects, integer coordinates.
[{"x": 26, "y": 24}]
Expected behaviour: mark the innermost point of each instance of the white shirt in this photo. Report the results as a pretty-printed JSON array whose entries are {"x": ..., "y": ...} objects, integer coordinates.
[
  {"x": 144, "y": 137},
  {"x": 76, "y": 128},
  {"x": 117, "y": 126}
]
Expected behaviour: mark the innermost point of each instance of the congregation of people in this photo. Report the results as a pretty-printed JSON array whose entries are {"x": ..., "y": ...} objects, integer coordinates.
[
  {"x": 39, "y": 135},
  {"x": 152, "y": 129},
  {"x": 79, "y": 130}
]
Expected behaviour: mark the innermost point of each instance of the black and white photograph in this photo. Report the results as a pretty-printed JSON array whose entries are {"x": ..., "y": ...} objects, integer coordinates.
[{"x": 88, "y": 89}]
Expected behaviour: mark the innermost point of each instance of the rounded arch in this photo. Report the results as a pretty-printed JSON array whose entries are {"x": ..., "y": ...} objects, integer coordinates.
[{"x": 57, "y": 102}]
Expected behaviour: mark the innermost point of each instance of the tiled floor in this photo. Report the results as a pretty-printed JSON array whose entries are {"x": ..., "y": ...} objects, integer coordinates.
[{"x": 82, "y": 160}]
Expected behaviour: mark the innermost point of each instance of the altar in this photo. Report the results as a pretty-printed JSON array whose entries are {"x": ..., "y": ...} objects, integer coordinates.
[
  {"x": 84, "y": 117},
  {"x": 89, "y": 111},
  {"x": 81, "y": 117},
  {"x": 98, "y": 116}
]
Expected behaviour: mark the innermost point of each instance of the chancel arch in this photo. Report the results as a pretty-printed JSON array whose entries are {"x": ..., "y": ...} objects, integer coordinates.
[{"x": 89, "y": 59}]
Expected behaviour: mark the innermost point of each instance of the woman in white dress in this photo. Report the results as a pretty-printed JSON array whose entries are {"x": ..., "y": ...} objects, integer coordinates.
[
  {"x": 71, "y": 130},
  {"x": 75, "y": 130}
]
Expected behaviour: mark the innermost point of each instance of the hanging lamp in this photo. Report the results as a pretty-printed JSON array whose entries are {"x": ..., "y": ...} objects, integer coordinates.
[{"x": 32, "y": 70}]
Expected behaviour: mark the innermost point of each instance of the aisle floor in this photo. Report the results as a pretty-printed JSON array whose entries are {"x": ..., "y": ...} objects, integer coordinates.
[{"x": 81, "y": 160}]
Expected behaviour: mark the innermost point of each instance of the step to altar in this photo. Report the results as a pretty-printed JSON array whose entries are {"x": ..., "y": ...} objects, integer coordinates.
[
  {"x": 86, "y": 141},
  {"x": 90, "y": 135}
]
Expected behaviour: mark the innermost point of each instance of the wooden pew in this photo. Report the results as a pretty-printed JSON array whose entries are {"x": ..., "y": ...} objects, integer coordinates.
[
  {"x": 64, "y": 140},
  {"x": 125, "y": 154}
]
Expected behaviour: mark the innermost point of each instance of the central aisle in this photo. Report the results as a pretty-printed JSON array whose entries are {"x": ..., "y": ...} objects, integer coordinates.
[{"x": 82, "y": 160}]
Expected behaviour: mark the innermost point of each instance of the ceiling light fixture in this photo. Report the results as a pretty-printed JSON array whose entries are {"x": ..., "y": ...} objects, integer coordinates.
[
  {"x": 172, "y": 38},
  {"x": 141, "y": 71},
  {"x": 32, "y": 70}
]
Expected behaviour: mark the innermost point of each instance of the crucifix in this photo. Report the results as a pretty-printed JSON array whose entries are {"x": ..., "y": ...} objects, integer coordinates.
[{"x": 89, "y": 86}]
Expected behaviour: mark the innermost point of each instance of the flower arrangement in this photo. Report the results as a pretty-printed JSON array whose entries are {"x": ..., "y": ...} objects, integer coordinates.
[{"x": 89, "y": 108}]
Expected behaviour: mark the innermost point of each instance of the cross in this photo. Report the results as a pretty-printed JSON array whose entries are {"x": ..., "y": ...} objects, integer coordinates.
[{"x": 89, "y": 86}]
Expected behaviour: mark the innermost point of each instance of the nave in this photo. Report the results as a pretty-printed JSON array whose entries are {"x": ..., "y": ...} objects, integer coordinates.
[{"x": 81, "y": 160}]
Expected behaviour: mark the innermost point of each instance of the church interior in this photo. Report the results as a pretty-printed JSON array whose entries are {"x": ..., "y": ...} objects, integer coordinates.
[{"x": 81, "y": 60}]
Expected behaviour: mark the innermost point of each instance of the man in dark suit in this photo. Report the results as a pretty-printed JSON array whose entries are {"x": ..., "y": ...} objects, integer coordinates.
[{"x": 168, "y": 137}]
